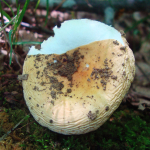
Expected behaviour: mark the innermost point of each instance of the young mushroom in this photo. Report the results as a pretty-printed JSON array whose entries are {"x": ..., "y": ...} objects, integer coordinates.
[{"x": 79, "y": 77}]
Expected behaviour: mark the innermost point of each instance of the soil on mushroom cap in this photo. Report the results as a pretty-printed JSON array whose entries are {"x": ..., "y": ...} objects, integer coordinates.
[{"x": 65, "y": 64}]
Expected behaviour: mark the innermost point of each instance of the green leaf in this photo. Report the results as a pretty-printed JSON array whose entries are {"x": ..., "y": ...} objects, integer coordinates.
[
  {"x": 9, "y": 8},
  {"x": 1, "y": 9},
  {"x": 19, "y": 17},
  {"x": 17, "y": 3},
  {"x": 47, "y": 11},
  {"x": 23, "y": 12},
  {"x": 28, "y": 42},
  {"x": 37, "y": 4},
  {"x": 10, "y": 33},
  {"x": 6, "y": 15},
  {"x": 136, "y": 23},
  {"x": 27, "y": 117},
  {"x": 16, "y": 24}
]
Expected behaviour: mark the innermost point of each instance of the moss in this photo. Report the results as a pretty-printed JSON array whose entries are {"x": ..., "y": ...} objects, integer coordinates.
[{"x": 125, "y": 130}]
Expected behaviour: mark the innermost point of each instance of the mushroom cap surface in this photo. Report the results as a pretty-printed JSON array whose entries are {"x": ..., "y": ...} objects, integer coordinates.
[{"x": 76, "y": 91}]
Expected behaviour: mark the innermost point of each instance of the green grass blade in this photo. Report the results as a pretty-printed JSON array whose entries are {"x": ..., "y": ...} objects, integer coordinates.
[
  {"x": 27, "y": 117},
  {"x": 134, "y": 25},
  {"x": 1, "y": 9},
  {"x": 17, "y": 4},
  {"x": 9, "y": 8},
  {"x": 47, "y": 11},
  {"x": 37, "y": 4},
  {"x": 16, "y": 25},
  {"x": 16, "y": 22},
  {"x": 6, "y": 15},
  {"x": 18, "y": 8},
  {"x": 10, "y": 22},
  {"x": 28, "y": 42},
  {"x": 10, "y": 33}
]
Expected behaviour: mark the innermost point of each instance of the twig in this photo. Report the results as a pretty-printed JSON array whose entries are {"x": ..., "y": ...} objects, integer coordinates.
[
  {"x": 5, "y": 135},
  {"x": 60, "y": 4},
  {"x": 25, "y": 125},
  {"x": 140, "y": 95},
  {"x": 88, "y": 4},
  {"x": 41, "y": 29}
]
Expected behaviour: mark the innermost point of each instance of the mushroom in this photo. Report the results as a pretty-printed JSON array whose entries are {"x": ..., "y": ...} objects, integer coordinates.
[{"x": 79, "y": 77}]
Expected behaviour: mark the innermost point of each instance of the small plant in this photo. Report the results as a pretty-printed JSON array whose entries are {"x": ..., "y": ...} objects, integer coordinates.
[{"x": 12, "y": 37}]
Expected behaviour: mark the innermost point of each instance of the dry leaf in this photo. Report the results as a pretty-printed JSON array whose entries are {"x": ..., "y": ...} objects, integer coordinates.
[
  {"x": 145, "y": 51},
  {"x": 142, "y": 73}
]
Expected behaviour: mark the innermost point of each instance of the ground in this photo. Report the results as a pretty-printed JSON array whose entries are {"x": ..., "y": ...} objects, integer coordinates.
[{"x": 128, "y": 128}]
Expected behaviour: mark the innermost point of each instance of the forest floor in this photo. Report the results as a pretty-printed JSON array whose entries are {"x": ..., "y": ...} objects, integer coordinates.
[{"x": 127, "y": 129}]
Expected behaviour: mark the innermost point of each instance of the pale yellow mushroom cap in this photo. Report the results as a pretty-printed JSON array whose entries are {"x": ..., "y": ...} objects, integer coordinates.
[{"x": 76, "y": 92}]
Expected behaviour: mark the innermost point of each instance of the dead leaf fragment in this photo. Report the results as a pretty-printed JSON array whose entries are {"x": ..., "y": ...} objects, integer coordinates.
[{"x": 145, "y": 51}]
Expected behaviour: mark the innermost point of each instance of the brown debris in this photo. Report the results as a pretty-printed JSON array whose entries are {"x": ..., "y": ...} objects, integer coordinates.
[
  {"x": 23, "y": 77},
  {"x": 107, "y": 108},
  {"x": 55, "y": 84},
  {"x": 91, "y": 115},
  {"x": 123, "y": 48},
  {"x": 122, "y": 33},
  {"x": 104, "y": 73},
  {"x": 53, "y": 94},
  {"x": 116, "y": 42},
  {"x": 9, "y": 76}
]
